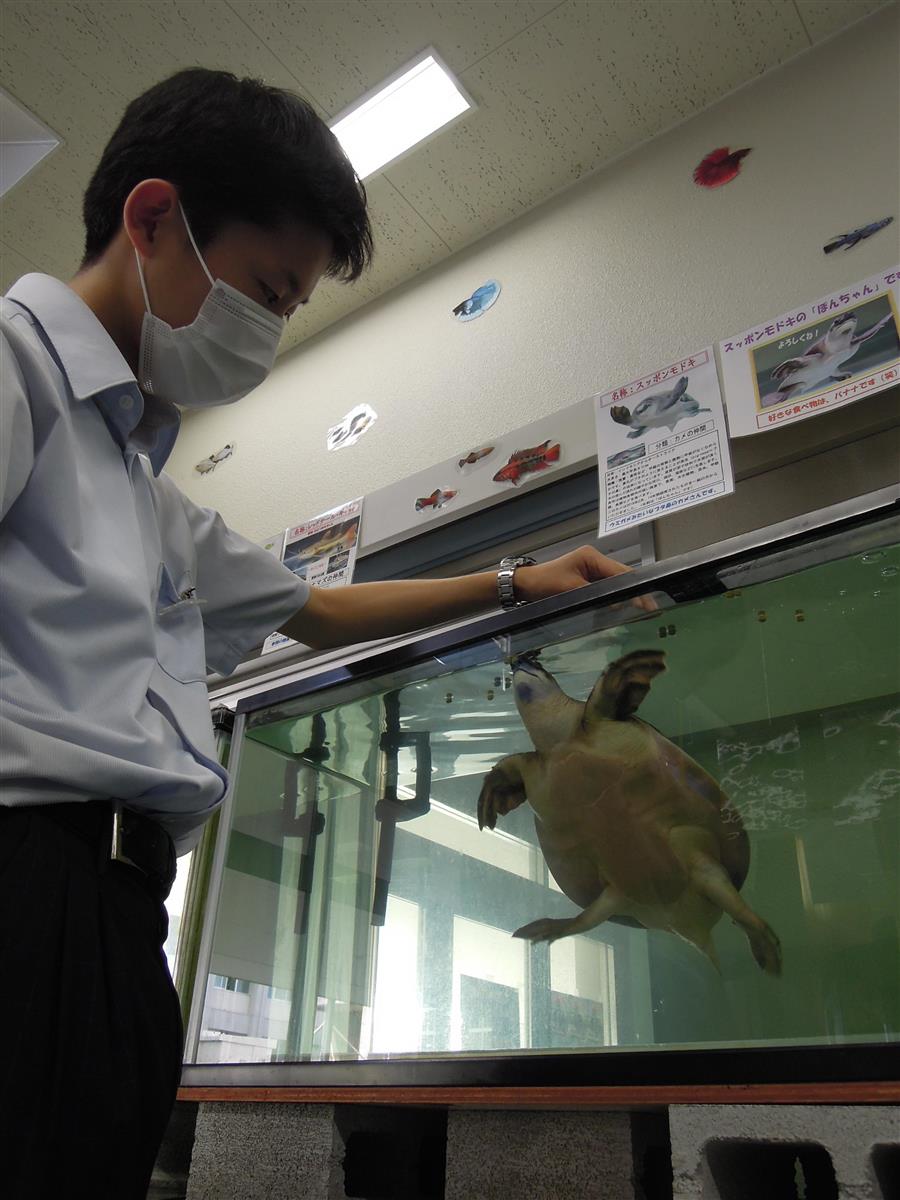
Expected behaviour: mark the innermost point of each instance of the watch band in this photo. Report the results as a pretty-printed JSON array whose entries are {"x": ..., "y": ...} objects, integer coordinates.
[{"x": 506, "y": 580}]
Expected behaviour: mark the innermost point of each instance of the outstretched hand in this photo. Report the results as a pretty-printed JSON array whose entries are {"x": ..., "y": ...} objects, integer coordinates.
[{"x": 569, "y": 571}]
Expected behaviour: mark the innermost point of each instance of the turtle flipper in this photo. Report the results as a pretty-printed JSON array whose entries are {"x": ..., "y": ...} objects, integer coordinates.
[
  {"x": 710, "y": 878},
  {"x": 503, "y": 789},
  {"x": 547, "y": 929},
  {"x": 623, "y": 685}
]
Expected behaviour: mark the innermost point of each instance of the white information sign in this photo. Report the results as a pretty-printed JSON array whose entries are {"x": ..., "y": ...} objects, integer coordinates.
[
  {"x": 825, "y": 354},
  {"x": 662, "y": 443},
  {"x": 323, "y": 552}
]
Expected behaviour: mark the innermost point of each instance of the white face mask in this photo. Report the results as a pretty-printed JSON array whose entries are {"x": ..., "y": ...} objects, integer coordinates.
[{"x": 222, "y": 355}]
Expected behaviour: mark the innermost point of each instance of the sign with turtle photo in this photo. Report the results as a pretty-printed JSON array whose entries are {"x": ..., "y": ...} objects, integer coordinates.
[
  {"x": 828, "y": 353},
  {"x": 322, "y": 551},
  {"x": 662, "y": 443}
]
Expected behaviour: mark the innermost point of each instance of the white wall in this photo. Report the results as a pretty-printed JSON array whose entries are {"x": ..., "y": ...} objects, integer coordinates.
[{"x": 623, "y": 271}]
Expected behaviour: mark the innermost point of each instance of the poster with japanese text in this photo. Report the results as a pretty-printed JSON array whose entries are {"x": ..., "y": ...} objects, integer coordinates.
[
  {"x": 662, "y": 443},
  {"x": 323, "y": 552},
  {"x": 830, "y": 352}
]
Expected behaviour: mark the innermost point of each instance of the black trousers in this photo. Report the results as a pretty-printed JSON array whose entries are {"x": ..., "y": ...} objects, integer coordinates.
[{"x": 90, "y": 1024}]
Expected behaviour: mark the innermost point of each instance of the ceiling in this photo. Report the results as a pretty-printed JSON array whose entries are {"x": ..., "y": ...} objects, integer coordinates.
[{"x": 561, "y": 89}]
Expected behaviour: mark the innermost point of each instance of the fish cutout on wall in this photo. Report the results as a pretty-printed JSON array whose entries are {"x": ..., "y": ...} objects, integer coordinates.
[
  {"x": 210, "y": 464},
  {"x": 349, "y": 430},
  {"x": 720, "y": 166},
  {"x": 437, "y": 500},
  {"x": 475, "y": 456},
  {"x": 526, "y": 462},
  {"x": 479, "y": 302},
  {"x": 855, "y": 236}
]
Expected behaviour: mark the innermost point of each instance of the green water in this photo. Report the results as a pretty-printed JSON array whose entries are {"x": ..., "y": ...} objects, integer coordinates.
[{"x": 785, "y": 691}]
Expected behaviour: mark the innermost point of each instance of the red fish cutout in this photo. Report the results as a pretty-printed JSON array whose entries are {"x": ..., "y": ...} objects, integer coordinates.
[
  {"x": 475, "y": 456},
  {"x": 438, "y": 498},
  {"x": 720, "y": 166},
  {"x": 524, "y": 462}
]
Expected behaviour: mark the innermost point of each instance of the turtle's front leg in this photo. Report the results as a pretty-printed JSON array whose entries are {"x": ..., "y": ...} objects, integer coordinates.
[
  {"x": 503, "y": 789},
  {"x": 548, "y": 929}
]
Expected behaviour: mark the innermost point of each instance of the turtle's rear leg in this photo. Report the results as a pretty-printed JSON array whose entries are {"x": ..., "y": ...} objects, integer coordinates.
[
  {"x": 549, "y": 929},
  {"x": 711, "y": 878}
]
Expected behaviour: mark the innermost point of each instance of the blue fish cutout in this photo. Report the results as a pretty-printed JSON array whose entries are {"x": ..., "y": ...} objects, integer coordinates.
[
  {"x": 849, "y": 240},
  {"x": 479, "y": 302}
]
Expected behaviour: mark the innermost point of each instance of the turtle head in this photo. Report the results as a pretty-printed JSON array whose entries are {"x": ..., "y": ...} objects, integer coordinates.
[
  {"x": 845, "y": 319},
  {"x": 547, "y": 712}
]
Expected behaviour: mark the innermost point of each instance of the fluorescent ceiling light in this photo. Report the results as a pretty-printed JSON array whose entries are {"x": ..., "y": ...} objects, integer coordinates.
[
  {"x": 24, "y": 141},
  {"x": 419, "y": 100}
]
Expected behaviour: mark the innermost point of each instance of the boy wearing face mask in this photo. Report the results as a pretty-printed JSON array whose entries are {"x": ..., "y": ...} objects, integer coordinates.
[{"x": 215, "y": 209}]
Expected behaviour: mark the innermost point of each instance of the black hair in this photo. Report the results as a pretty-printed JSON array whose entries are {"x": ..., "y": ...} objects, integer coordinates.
[{"x": 236, "y": 149}]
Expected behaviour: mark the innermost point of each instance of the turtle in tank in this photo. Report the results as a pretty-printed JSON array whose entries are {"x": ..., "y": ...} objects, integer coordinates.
[{"x": 631, "y": 828}]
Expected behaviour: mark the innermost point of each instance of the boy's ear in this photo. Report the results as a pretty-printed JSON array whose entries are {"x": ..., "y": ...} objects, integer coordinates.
[{"x": 150, "y": 213}]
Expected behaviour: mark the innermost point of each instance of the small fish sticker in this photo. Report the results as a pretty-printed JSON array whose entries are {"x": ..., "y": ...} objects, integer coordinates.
[
  {"x": 479, "y": 302},
  {"x": 526, "y": 462},
  {"x": 719, "y": 167},
  {"x": 438, "y": 498},
  {"x": 855, "y": 236},
  {"x": 475, "y": 456},
  {"x": 357, "y": 421},
  {"x": 210, "y": 464}
]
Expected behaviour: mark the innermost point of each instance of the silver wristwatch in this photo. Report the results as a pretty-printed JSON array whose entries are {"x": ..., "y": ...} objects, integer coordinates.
[{"x": 506, "y": 577}]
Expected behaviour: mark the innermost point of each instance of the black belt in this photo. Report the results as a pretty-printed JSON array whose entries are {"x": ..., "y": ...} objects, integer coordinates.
[{"x": 119, "y": 834}]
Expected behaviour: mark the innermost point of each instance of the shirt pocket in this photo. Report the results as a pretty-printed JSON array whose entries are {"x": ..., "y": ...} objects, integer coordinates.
[{"x": 180, "y": 643}]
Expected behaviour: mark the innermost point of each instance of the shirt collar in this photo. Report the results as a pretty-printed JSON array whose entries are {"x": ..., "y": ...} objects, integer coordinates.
[{"x": 92, "y": 362}]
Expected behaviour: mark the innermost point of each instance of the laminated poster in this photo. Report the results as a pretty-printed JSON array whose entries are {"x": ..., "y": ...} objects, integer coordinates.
[
  {"x": 828, "y": 353},
  {"x": 662, "y": 443},
  {"x": 323, "y": 552}
]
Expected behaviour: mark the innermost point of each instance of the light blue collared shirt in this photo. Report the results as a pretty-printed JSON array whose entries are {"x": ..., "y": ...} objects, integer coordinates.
[{"x": 117, "y": 592}]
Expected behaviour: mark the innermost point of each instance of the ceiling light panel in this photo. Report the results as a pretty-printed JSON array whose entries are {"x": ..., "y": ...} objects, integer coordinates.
[{"x": 419, "y": 100}]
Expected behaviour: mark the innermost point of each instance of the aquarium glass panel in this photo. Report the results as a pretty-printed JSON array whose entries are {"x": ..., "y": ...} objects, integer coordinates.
[{"x": 716, "y": 863}]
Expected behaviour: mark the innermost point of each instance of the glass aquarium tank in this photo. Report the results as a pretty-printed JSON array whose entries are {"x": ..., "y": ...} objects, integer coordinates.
[{"x": 587, "y": 828}]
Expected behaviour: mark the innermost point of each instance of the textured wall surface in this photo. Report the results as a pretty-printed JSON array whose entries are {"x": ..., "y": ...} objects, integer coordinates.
[
  {"x": 561, "y": 87},
  {"x": 847, "y": 1134},
  {"x": 625, "y": 270},
  {"x": 718, "y": 1152},
  {"x": 566, "y": 1155},
  {"x": 262, "y": 1152}
]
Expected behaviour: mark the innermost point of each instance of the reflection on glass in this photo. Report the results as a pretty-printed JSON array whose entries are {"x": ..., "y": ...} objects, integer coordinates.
[
  {"x": 366, "y": 915},
  {"x": 175, "y": 909}
]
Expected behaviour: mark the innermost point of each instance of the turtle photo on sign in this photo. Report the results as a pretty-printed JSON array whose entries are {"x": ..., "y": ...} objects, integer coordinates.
[
  {"x": 631, "y": 828},
  {"x": 818, "y": 355}
]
